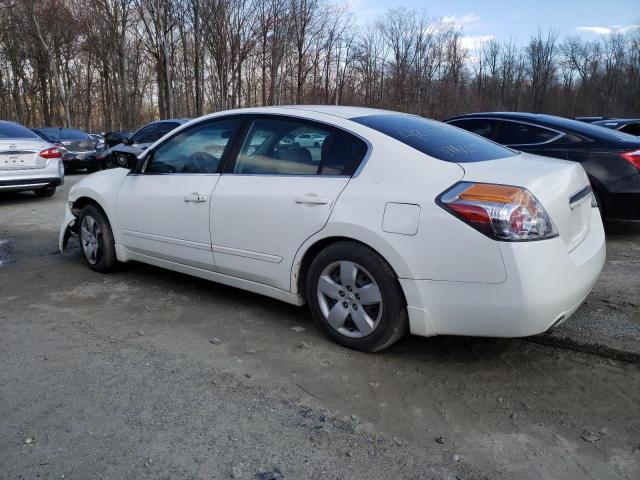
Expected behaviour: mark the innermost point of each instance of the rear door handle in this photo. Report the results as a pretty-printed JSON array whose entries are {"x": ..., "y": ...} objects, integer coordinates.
[
  {"x": 195, "y": 197},
  {"x": 312, "y": 199}
]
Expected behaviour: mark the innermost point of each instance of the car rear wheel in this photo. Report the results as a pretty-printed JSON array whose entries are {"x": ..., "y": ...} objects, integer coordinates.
[
  {"x": 96, "y": 240},
  {"x": 355, "y": 298},
  {"x": 45, "y": 192}
]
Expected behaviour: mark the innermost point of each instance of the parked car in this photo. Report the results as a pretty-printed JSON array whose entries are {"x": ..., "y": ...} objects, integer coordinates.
[
  {"x": 401, "y": 224},
  {"x": 309, "y": 140},
  {"x": 100, "y": 139},
  {"x": 80, "y": 147},
  {"x": 624, "y": 125},
  {"x": 610, "y": 158},
  {"x": 27, "y": 162},
  {"x": 125, "y": 153}
]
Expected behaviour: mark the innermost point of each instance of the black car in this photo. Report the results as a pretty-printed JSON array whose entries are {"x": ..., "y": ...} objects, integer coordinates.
[
  {"x": 80, "y": 147},
  {"x": 610, "y": 158},
  {"x": 625, "y": 125}
]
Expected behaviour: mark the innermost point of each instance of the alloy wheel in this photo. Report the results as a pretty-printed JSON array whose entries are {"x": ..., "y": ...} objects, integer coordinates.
[
  {"x": 350, "y": 299},
  {"x": 91, "y": 239}
]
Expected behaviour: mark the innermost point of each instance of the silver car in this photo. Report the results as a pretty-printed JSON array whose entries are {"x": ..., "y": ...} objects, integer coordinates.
[{"x": 27, "y": 162}]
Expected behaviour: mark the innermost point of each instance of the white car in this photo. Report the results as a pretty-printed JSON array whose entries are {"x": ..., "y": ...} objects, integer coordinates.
[
  {"x": 27, "y": 162},
  {"x": 309, "y": 140},
  {"x": 401, "y": 224}
]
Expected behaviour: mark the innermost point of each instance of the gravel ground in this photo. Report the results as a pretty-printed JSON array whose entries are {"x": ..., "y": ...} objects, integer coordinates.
[{"x": 150, "y": 374}]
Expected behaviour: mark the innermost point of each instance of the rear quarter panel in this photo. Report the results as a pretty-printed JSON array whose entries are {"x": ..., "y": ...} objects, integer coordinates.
[{"x": 442, "y": 248}]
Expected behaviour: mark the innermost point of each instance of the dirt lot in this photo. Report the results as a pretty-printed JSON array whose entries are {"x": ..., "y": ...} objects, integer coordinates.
[{"x": 151, "y": 374}]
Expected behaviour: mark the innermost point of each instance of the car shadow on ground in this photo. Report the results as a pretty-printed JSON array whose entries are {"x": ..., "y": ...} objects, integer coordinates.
[{"x": 461, "y": 349}]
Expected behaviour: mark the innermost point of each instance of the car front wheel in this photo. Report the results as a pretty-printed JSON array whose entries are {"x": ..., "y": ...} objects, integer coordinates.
[
  {"x": 355, "y": 298},
  {"x": 96, "y": 240}
]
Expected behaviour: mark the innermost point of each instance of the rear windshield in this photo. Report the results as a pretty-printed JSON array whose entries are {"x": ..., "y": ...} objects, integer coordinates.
[
  {"x": 62, "y": 134},
  {"x": 436, "y": 139},
  {"x": 13, "y": 130}
]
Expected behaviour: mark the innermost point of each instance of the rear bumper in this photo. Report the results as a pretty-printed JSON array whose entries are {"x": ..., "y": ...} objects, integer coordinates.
[
  {"x": 32, "y": 179},
  {"x": 80, "y": 159},
  {"x": 545, "y": 284}
]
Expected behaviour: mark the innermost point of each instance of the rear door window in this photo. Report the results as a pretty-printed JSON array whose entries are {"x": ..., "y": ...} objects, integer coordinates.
[
  {"x": 516, "y": 133},
  {"x": 480, "y": 126},
  {"x": 436, "y": 139},
  {"x": 146, "y": 134},
  {"x": 283, "y": 146}
]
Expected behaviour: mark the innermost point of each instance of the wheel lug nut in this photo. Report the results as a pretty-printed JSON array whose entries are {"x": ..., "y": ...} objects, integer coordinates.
[
  {"x": 355, "y": 307},
  {"x": 342, "y": 293},
  {"x": 358, "y": 296},
  {"x": 345, "y": 304},
  {"x": 349, "y": 287}
]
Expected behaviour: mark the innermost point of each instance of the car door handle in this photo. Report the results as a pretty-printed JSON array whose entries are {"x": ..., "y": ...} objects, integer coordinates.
[
  {"x": 195, "y": 197},
  {"x": 312, "y": 199}
]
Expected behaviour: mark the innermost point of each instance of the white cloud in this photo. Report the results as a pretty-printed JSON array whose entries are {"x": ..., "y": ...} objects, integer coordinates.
[
  {"x": 473, "y": 43},
  {"x": 608, "y": 30},
  {"x": 465, "y": 22}
]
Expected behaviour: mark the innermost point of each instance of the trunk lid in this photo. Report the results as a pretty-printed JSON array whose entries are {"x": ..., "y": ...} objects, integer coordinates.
[
  {"x": 562, "y": 188},
  {"x": 21, "y": 154},
  {"x": 79, "y": 145}
]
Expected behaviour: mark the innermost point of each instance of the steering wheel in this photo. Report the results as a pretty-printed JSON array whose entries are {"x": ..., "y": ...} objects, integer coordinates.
[{"x": 203, "y": 162}]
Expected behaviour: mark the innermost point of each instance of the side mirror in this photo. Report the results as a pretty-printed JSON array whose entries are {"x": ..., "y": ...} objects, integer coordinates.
[{"x": 127, "y": 141}]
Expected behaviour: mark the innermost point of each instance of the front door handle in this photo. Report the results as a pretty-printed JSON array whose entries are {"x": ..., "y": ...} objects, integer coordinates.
[
  {"x": 312, "y": 199},
  {"x": 195, "y": 197}
]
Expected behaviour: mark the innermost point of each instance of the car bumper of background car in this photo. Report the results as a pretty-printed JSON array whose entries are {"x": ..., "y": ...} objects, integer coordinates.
[
  {"x": 545, "y": 285},
  {"x": 80, "y": 159},
  {"x": 32, "y": 178}
]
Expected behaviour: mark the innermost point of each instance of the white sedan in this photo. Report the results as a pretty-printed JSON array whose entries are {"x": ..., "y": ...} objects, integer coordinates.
[{"x": 399, "y": 224}]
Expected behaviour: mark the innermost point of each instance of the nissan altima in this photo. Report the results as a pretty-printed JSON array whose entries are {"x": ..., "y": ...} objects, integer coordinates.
[{"x": 397, "y": 224}]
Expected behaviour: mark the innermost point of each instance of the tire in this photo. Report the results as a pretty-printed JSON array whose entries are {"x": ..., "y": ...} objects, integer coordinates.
[
  {"x": 384, "y": 321},
  {"x": 96, "y": 240},
  {"x": 45, "y": 192},
  {"x": 121, "y": 160}
]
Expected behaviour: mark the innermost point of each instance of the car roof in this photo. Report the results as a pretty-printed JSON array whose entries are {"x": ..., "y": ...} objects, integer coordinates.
[
  {"x": 339, "y": 110},
  {"x": 552, "y": 121}
]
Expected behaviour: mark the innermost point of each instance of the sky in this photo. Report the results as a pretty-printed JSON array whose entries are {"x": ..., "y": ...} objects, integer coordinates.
[{"x": 516, "y": 20}]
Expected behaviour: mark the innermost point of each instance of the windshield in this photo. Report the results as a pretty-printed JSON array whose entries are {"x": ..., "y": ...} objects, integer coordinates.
[
  {"x": 13, "y": 130},
  {"x": 63, "y": 134},
  {"x": 436, "y": 139}
]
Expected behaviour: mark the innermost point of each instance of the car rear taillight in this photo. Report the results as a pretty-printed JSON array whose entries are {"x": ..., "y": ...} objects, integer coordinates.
[
  {"x": 501, "y": 212},
  {"x": 53, "y": 152},
  {"x": 632, "y": 157}
]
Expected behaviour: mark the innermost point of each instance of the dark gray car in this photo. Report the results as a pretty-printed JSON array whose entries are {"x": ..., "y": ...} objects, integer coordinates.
[{"x": 124, "y": 153}]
